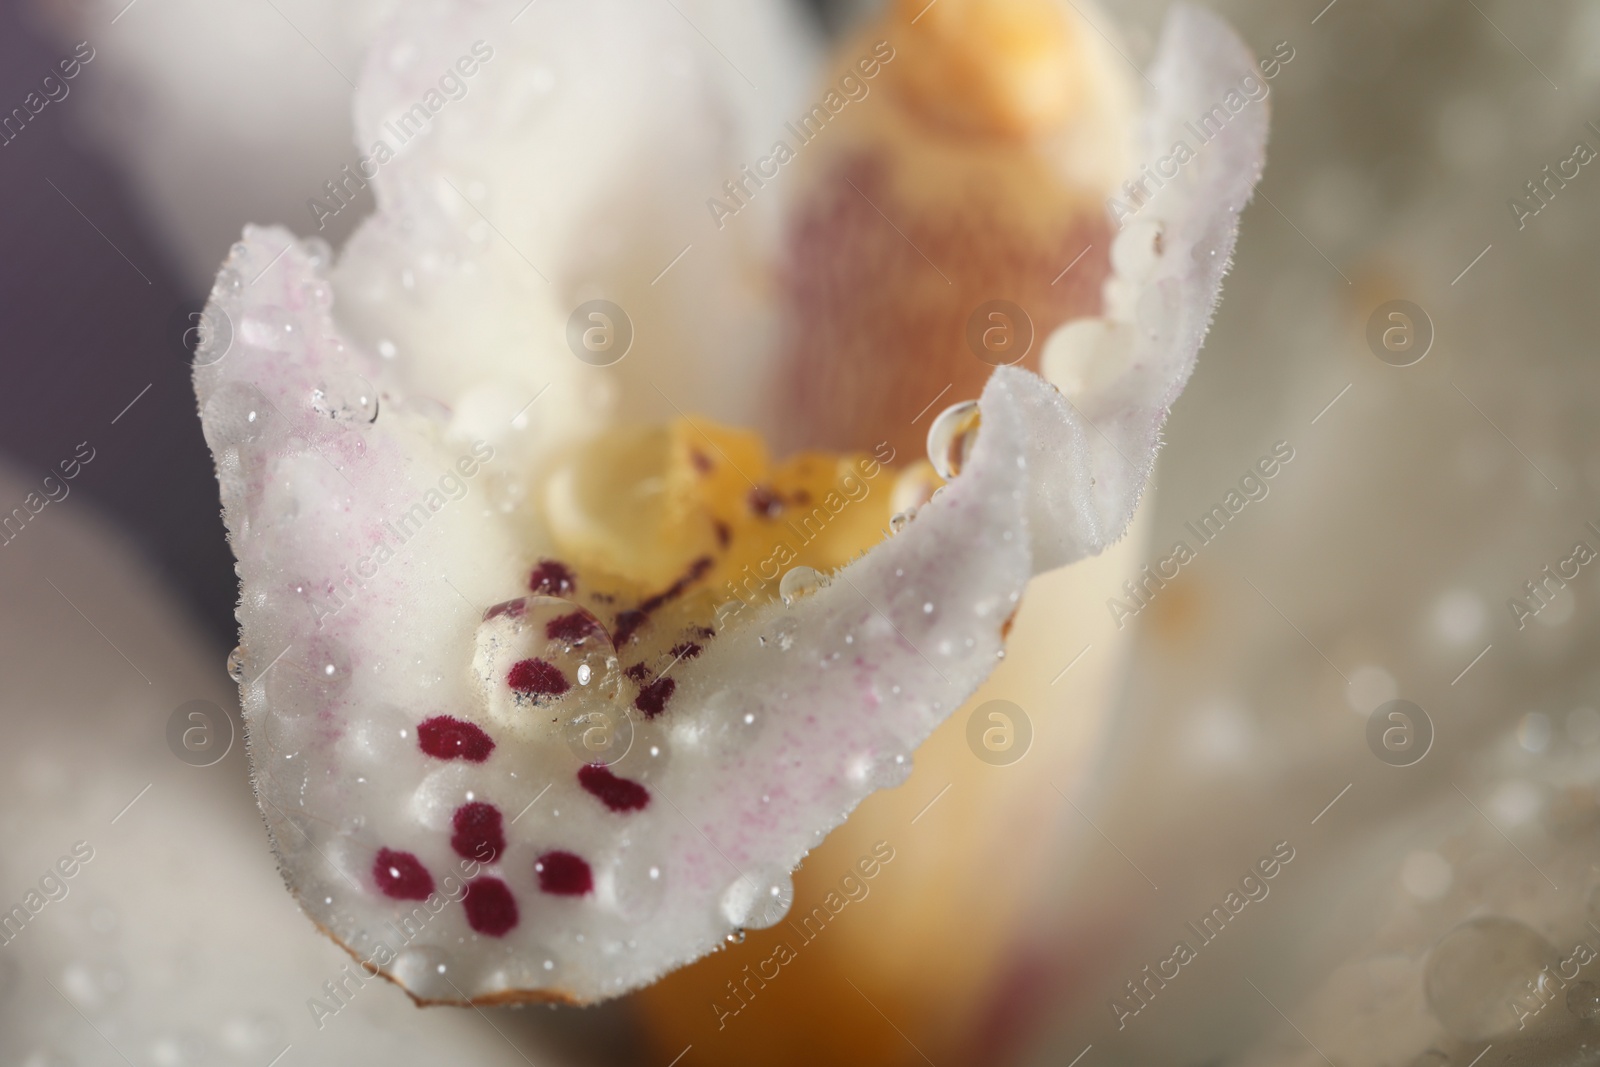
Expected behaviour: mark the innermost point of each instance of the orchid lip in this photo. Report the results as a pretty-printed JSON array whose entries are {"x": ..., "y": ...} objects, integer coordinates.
[{"x": 633, "y": 715}]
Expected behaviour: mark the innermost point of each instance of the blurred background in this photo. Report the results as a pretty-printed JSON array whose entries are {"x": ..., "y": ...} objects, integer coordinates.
[{"x": 1440, "y": 865}]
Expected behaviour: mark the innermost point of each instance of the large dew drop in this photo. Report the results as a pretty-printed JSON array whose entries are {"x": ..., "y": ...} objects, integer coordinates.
[
  {"x": 540, "y": 656},
  {"x": 1479, "y": 970},
  {"x": 798, "y": 582},
  {"x": 759, "y": 898},
  {"x": 951, "y": 437}
]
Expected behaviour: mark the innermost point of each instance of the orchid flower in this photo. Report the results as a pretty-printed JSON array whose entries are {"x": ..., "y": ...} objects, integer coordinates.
[{"x": 557, "y": 656}]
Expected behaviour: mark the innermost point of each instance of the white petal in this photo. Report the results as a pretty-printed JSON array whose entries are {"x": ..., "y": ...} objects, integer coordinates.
[
  {"x": 789, "y": 718},
  {"x": 574, "y": 165},
  {"x": 1093, "y": 451}
]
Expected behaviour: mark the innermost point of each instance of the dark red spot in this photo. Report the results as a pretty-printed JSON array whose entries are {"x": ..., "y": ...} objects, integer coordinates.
[
  {"x": 764, "y": 502},
  {"x": 802, "y": 497},
  {"x": 696, "y": 571},
  {"x": 550, "y": 578},
  {"x": 618, "y": 794},
  {"x": 686, "y": 650},
  {"x": 628, "y": 622},
  {"x": 479, "y": 834},
  {"x": 701, "y": 461},
  {"x": 445, "y": 738},
  {"x": 401, "y": 875},
  {"x": 652, "y": 699},
  {"x": 638, "y": 672},
  {"x": 724, "y": 535},
  {"x": 491, "y": 909},
  {"x": 564, "y": 874},
  {"x": 535, "y": 677},
  {"x": 574, "y": 626},
  {"x": 513, "y": 608},
  {"x": 704, "y": 633}
]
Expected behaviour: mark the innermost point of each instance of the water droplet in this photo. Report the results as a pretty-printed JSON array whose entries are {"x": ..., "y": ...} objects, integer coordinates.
[
  {"x": 318, "y": 252},
  {"x": 236, "y": 663},
  {"x": 736, "y": 937},
  {"x": 880, "y": 770},
  {"x": 236, "y": 415},
  {"x": 729, "y": 722},
  {"x": 272, "y": 328},
  {"x": 1479, "y": 967},
  {"x": 647, "y": 758},
  {"x": 308, "y": 674},
  {"x": 899, "y": 519},
  {"x": 638, "y": 883},
  {"x": 421, "y": 970},
  {"x": 798, "y": 582},
  {"x": 1583, "y": 1000},
  {"x": 781, "y": 635},
  {"x": 599, "y": 733},
  {"x": 951, "y": 437},
  {"x": 542, "y": 652},
  {"x": 345, "y": 398},
  {"x": 1533, "y": 732},
  {"x": 228, "y": 284},
  {"x": 914, "y": 487},
  {"x": 759, "y": 898}
]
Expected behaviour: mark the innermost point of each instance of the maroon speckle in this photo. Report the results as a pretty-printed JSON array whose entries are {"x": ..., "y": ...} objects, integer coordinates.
[
  {"x": 652, "y": 699},
  {"x": 513, "y": 608},
  {"x": 573, "y": 627},
  {"x": 550, "y": 578},
  {"x": 628, "y": 622},
  {"x": 445, "y": 738},
  {"x": 479, "y": 834},
  {"x": 638, "y": 672},
  {"x": 802, "y": 497},
  {"x": 564, "y": 874},
  {"x": 537, "y": 678},
  {"x": 618, "y": 794},
  {"x": 764, "y": 502},
  {"x": 701, "y": 461},
  {"x": 724, "y": 535},
  {"x": 491, "y": 909},
  {"x": 686, "y": 650},
  {"x": 401, "y": 875}
]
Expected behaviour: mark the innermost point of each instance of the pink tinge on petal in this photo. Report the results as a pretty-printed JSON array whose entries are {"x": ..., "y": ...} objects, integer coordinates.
[{"x": 401, "y": 875}]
